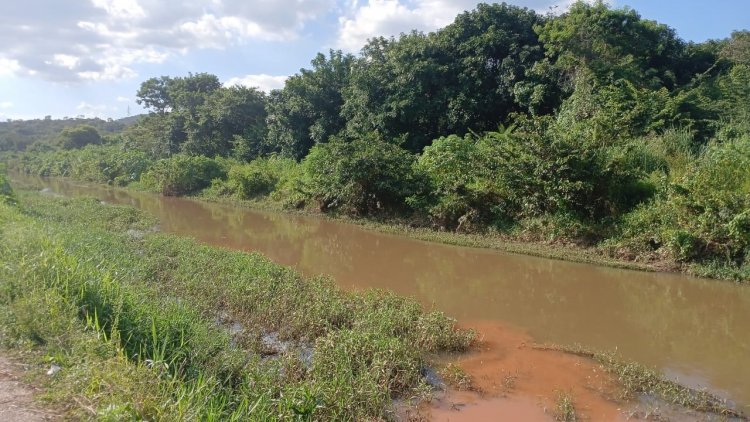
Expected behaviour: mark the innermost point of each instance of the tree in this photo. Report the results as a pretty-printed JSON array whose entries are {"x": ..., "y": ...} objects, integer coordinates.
[
  {"x": 464, "y": 77},
  {"x": 737, "y": 48},
  {"x": 613, "y": 44},
  {"x": 79, "y": 137},
  {"x": 229, "y": 118},
  {"x": 154, "y": 94},
  {"x": 196, "y": 115},
  {"x": 308, "y": 110}
]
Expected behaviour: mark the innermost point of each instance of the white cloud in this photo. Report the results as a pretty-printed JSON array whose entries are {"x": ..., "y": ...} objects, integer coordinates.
[
  {"x": 8, "y": 67},
  {"x": 392, "y": 17},
  {"x": 212, "y": 32},
  {"x": 121, "y": 9},
  {"x": 93, "y": 110},
  {"x": 6, "y": 104},
  {"x": 65, "y": 60},
  {"x": 108, "y": 73},
  {"x": 121, "y": 99},
  {"x": 264, "y": 82},
  {"x": 106, "y": 39}
]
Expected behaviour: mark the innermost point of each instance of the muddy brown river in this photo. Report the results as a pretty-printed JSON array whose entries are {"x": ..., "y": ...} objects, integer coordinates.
[{"x": 695, "y": 330}]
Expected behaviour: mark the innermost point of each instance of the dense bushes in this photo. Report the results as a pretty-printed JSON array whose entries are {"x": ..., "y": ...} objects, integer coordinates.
[
  {"x": 257, "y": 178},
  {"x": 182, "y": 174},
  {"x": 702, "y": 214},
  {"x": 528, "y": 170},
  {"x": 111, "y": 164},
  {"x": 364, "y": 176}
]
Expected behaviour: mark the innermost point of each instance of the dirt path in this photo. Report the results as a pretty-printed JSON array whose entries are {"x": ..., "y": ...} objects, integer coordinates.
[{"x": 16, "y": 397}]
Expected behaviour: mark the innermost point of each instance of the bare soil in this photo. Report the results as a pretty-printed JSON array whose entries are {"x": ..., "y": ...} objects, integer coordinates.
[{"x": 17, "y": 397}]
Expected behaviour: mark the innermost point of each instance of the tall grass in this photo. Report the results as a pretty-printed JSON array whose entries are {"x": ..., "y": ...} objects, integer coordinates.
[{"x": 141, "y": 324}]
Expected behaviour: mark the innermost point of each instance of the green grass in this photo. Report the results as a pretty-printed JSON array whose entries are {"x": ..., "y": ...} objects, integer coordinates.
[
  {"x": 564, "y": 408},
  {"x": 141, "y": 324}
]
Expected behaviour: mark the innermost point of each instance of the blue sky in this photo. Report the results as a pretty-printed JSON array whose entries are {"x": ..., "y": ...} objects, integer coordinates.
[{"x": 88, "y": 57}]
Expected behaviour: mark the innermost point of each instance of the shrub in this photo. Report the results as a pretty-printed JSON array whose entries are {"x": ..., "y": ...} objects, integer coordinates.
[
  {"x": 702, "y": 214},
  {"x": 259, "y": 177},
  {"x": 6, "y": 192},
  {"x": 182, "y": 174},
  {"x": 364, "y": 176},
  {"x": 460, "y": 190}
]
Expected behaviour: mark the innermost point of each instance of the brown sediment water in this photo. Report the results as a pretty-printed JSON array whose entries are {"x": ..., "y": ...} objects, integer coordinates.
[
  {"x": 695, "y": 330},
  {"x": 511, "y": 380}
]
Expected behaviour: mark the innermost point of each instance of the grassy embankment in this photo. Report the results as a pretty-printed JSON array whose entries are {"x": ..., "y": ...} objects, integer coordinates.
[{"x": 152, "y": 326}]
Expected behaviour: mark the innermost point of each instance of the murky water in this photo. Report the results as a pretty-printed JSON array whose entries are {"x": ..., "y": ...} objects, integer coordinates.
[{"x": 694, "y": 329}]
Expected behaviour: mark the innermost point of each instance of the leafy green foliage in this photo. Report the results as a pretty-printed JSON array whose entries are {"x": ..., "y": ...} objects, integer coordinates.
[
  {"x": 526, "y": 171},
  {"x": 737, "y": 48},
  {"x": 702, "y": 214},
  {"x": 420, "y": 87},
  {"x": 364, "y": 176},
  {"x": 613, "y": 44},
  {"x": 197, "y": 116},
  {"x": 454, "y": 170},
  {"x": 232, "y": 121},
  {"x": 308, "y": 110},
  {"x": 95, "y": 163},
  {"x": 79, "y": 137},
  {"x": 182, "y": 174},
  {"x": 260, "y": 177}
]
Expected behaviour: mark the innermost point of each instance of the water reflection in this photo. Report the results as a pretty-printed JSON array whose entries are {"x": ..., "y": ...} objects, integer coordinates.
[{"x": 694, "y": 328}]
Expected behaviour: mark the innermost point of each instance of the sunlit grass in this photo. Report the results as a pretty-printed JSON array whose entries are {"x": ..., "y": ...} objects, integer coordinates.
[{"x": 141, "y": 324}]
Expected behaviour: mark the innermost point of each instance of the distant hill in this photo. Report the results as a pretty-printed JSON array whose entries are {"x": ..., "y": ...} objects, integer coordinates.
[{"x": 17, "y": 135}]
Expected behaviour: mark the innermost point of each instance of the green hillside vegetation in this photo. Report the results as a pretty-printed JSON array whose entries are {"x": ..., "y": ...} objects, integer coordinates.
[
  {"x": 44, "y": 134},
  {"x": 596, "y": 128}
]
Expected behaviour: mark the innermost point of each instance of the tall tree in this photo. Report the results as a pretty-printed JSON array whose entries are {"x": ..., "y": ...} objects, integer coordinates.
[
  {"x": 464, "y": 77},
  {"x": 613, "y": 44},
  {"x": 308, "y": 110},
  {"x": 230, "y": 118}
]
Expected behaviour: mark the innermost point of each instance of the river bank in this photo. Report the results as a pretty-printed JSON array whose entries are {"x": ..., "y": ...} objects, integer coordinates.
[
  {"x": 155, "y": 326},
  {"x": 231, "y": 226},
  {"x": 489, "y": 239},
  {"x": 496, "y": 241}
]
